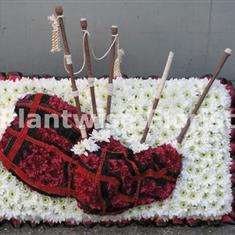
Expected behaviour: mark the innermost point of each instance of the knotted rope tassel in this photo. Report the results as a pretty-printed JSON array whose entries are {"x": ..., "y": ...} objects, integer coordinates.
[
  {"x": 117, "y": 63},
  {"x": 55, "y": 34}
]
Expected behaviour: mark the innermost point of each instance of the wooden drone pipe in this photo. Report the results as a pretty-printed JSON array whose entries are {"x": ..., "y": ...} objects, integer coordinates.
[
  {"x": 83, "y": 23},
  {"x": 227, "y": 53},
  {"x": 59, "y": 12},
  {"x": 114, "y": 31},
  {"x": 69, "y": 64},
  {"x": 158, "y": 95}
]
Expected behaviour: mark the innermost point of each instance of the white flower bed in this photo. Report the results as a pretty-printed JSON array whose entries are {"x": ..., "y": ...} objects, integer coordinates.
[{"x": 203, "y": 189}]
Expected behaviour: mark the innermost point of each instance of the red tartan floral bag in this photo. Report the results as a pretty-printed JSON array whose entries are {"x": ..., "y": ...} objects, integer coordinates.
[{"x": 108, "y": 181}]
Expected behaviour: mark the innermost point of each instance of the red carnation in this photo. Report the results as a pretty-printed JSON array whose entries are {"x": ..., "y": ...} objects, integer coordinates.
[
  {"x": 42, "y": 166},
  {"x": 169, "y": 157}
]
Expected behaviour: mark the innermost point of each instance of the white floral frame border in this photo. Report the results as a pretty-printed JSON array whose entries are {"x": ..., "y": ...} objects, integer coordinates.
[{"x": 204, "y": 188}]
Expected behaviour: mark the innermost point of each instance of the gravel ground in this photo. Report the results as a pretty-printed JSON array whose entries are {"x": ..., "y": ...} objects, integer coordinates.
[{"x": 7, "y": 229}]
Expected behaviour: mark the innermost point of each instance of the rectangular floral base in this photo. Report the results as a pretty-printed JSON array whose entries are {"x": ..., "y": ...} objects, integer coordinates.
[{"x": 204, "y": 188}]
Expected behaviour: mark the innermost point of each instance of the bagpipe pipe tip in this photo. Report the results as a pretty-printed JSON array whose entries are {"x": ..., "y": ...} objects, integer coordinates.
[
  {"x": 114, "y": 29},
  {"x": 59, "y": 10},
  {"x": 228, "y": 51},
  {"x": 83, "y": 22}
]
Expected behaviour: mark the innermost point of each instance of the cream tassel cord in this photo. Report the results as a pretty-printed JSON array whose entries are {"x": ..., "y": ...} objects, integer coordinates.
[
  {"x": 117, "y": 63},
  {"x": 55, "y": 35}
]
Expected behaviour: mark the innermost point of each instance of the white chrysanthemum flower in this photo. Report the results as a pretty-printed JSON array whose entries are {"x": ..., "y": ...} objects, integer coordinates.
[
  {"x": 101, "y": 135},
  {"x": 79, "y": 149},
  {"x": 137, "y": 147},
  {"x": 90, "y": 145}
]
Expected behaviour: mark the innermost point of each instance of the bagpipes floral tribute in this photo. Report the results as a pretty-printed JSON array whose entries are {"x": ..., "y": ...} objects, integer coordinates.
[
  {"x": 59, "y": 164},
  {"x": 198, "y": 182}
]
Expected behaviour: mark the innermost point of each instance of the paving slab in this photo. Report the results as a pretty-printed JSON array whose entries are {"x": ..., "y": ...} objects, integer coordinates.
[{"x": 7, "y": 229}]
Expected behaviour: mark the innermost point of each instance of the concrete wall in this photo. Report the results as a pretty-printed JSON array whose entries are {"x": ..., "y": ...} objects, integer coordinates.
[{"x": 197, "y": 30}]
